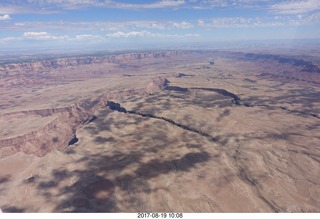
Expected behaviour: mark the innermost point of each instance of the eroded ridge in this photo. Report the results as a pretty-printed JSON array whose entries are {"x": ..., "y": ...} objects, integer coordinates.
[
  {"x": 55, "y": 134},
  {"x": 60, "y": 132},
  {"x": 237, "y": 101}
]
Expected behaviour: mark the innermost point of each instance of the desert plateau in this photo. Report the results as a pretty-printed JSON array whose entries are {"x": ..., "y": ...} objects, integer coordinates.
[{"x": 161, "y": 131}]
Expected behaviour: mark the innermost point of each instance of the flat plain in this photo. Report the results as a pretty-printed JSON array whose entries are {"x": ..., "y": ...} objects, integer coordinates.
[{"x": 179, "y": 131}]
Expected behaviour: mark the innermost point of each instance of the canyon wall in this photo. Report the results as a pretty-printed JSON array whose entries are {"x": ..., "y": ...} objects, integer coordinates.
[
  {"x": 58, "y": 133},
  {"x": 55, "y": 134},
  {"x": 84, "y": 60}
]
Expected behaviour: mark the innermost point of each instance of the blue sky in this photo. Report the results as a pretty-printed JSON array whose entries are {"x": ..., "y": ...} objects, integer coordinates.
[{"x": 107, "y": 24}]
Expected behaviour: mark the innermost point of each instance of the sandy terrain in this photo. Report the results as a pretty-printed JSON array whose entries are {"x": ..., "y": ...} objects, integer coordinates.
[{"x": 189, "y": 146}]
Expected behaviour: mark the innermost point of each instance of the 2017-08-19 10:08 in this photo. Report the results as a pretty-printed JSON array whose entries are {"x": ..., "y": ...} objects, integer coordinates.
[{"x": 160, "y": 215}]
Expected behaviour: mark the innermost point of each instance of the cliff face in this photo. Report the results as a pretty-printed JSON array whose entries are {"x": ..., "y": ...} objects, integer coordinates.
[
  {"x": 54, "y": 135},
  {"x": 301, "y": 64},
  {"x": 157, "y": 85},
  {"x": 278, "y": 67},
  {"x": 86, "y": 60},
  {"x": 58, "y": 133},
  {"x": 48, "y": 64}
]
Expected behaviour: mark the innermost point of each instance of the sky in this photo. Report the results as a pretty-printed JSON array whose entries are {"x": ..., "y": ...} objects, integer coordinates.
[{"x": 119, "y": 24}]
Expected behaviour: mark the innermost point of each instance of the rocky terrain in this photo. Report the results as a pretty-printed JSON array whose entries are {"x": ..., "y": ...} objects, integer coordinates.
[
  {"x": 66, "y": 120},
  {"x": 47, "y": 64},
  {"x": 172, "y": 131},
  {"x": 283, "y": 68}
]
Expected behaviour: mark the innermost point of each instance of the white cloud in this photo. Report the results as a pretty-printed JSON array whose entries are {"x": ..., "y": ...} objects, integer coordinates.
[
  {"x": 48, "y": 36},
  {"x": 66, "y": 4},
  {"x": 80, "y": 26},
  {"x": 201, "y": 22},
  {"x": 5, "y": 17},
  {"x": 159, "y": 4},
  {"x": 117, "y": 34},
  {"x": 9, "y": 39},
  {"x": 295, "y": 7},
  {"x": 148, "y": 24},
  {"x": 88, "y": 37},
  {"x": 90, "y": 25},
  {"x": 54, "y": 6},
  {"x": 311, "y": 19},
  {"x": 231, "y": 22},
  {"x": 16, "y": 6},
  {"x": 43, "y": 36},
  {"x": 183, "y": 25},
  {"x": 274, "y": 21},
  {"x": 148, "y": 34},
  {"x": 211, "y": 4},
  {"x": 19, "y": 24},
  {"x": 217, "y": 3},
  {"x": 121, "y": 34},
  {"x": 188, "y": 35}
]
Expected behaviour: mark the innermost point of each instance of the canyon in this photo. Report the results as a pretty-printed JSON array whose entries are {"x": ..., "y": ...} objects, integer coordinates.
[{"x": 175, "y": 130}]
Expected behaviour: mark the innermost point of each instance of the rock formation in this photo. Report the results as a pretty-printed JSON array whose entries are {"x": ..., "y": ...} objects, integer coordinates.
[
  {"x": 302, "y": 64},
  {"x": 54, "y": 135},
  {"x": 42, "y": 65},
  {"x": 157, "y": 85},
  {"x": 60, "y": 132}
]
